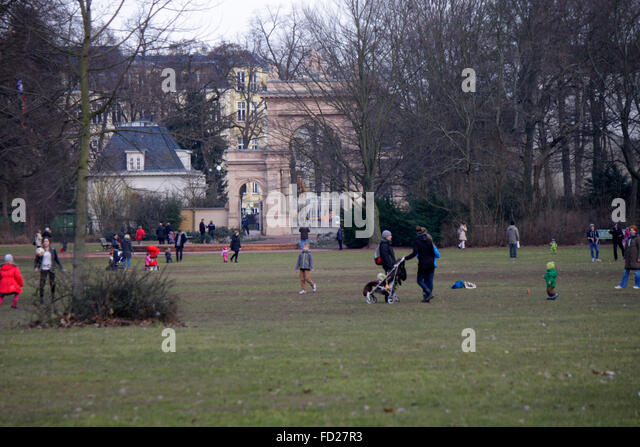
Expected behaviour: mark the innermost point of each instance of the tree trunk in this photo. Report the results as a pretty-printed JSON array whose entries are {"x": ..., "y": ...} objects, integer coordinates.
[
  {"x": 578, "y": 147},
  {"x": 528, "y": 159},
  {"x": 566, "y": 159},
  {"x": 633, "y": 208},
  {"x": 81, "y": 187}
]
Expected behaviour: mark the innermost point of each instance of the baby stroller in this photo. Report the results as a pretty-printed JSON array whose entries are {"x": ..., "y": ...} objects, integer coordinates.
[
  {"x": 115, "y": 260},
  {"x": 386, "y": 285},
  {"x": 151, "y": 261}
]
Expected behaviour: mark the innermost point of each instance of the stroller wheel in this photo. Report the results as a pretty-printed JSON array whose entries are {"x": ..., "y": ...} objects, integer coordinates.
[{"x": 391, "y": 300}]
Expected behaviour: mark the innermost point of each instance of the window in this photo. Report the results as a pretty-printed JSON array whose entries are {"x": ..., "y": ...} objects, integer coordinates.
[
  {"x": 240, "y": 143},
  {"x": 256, "y": 188},
  {"x": 253, "y": 82},
  {"x": 131, "y": 164},
  {"x": 242, "y": 111},
  {"x": 254, "y": 144},
  {"x": 138, "y": 163},
  {"x": 254, "y": 106},
  {"x": 240, "y": 81}
]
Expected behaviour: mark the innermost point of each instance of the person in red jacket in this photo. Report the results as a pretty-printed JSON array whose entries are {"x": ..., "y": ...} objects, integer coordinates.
[
  {"x": 10, "y": 280},
  {"x": 140, "y": 235}
]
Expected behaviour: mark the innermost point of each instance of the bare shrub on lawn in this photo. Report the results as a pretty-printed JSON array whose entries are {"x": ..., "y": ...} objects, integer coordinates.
[{"x": 109, "y": 296}]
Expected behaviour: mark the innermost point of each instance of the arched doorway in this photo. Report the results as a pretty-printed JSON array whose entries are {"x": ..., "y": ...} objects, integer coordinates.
[{"x": 250, "y": 206}]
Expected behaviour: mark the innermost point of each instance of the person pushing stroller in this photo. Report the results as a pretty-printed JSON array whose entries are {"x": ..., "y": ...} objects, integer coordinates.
[{"x": 394, "y": 274}]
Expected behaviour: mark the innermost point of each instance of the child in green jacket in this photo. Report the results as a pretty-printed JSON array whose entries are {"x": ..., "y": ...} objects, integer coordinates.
[
  {"x": 550, "y": 279},
  {"x": 554, "y": 246}
]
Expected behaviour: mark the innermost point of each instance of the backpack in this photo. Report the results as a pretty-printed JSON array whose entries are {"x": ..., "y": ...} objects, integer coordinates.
[{"x": 376, "y": 256}]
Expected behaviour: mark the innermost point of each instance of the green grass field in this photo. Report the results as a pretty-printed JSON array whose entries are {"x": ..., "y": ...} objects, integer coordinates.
[{"x": 254, "y": 352}]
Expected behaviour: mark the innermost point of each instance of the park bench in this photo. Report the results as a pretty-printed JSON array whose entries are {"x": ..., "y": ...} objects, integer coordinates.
[
  {"x": 604, "y": 235},
  {"x": 105, "y": 245}
]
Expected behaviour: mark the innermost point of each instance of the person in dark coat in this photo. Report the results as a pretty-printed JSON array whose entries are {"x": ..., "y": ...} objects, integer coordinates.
[
  {"x": 304, "y": 236},
  {"x": 181, "y": 239},
  {"x": 115, "y": 242},
  {"x": 235, "y": 246},
  {"x": 203, "y": 229},
  {"x": 45, "y": 263},
  {"x": 127, "y": 250},
  {"x": 423, "y": 248},
  {"x": 161, "y": 234},
  {"x": 617, "y": 236},
  {"x": 631, "y": 259},
  {"x": 212, "y": 230},
  {"x": 245, "y": 225},
  {"x": 386, "y": 252},
  {"x": 339, "y": 237}
]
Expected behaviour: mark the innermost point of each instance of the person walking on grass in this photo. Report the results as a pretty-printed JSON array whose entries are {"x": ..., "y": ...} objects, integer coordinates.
[
  {"x": 11, "y": 282},
  {"x": 513, "y": 239},
  {"x": 127, "y": 251},
  {"x": 235, "y": 246},
  {"x": 45, "y": 263},
  {"x": 617, "y": 237},
  {"x": 462, "y": 235},
  {"x": 181, "y": 239},
  {"x": 305, "y": 265},
  {"x": 594, "y": 243},
  {"x": 425, "y": 250},
  {"x": 631, "y": 259}
]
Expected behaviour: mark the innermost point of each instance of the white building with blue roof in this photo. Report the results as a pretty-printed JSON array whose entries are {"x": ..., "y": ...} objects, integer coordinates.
[{"x": 143, "y": 157}]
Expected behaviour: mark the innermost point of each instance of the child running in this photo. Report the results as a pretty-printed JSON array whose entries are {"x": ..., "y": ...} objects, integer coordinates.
[
  {"x": 225, "y": 253},
  {"x": 10, "y": 280},
  {"x": 550, "y": 279},
  {"x": 305, "y": 265}
]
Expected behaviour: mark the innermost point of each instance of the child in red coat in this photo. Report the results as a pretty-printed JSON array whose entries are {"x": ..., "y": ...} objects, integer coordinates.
[{"x": 10, "y": 280}]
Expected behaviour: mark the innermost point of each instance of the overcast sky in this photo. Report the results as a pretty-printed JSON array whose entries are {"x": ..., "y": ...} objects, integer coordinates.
[{"x": 212, "y": 21}]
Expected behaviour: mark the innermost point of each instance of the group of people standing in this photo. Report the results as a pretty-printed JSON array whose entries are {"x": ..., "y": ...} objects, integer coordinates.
[{"x": 204, "y": 228}]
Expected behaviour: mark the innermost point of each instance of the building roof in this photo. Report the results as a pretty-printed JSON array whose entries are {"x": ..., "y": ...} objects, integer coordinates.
[{"x": 154, "y": 141}]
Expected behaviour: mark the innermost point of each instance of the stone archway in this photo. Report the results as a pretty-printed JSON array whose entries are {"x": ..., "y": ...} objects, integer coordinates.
[
  {"x": 289, "y": 105},
  {"x": 269, "y": 169}
]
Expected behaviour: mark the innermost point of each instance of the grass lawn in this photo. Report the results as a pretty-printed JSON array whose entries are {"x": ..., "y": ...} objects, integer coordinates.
[{"x": 254, "y": 352}]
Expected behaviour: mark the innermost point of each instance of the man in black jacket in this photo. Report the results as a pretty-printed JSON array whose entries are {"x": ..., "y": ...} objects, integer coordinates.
[
  {"x": 181, "y": 239},
  {"x": 212, "y": 230},
  {"x": 617, "y": 235},
  {"x": 423, "y": 248},
  {"x": 160, "y": 234},
  {"x": 203, "y": 229}
]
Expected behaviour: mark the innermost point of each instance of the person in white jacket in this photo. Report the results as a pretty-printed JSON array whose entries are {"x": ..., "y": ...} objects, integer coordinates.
[{"x": 462, "y": 235}]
